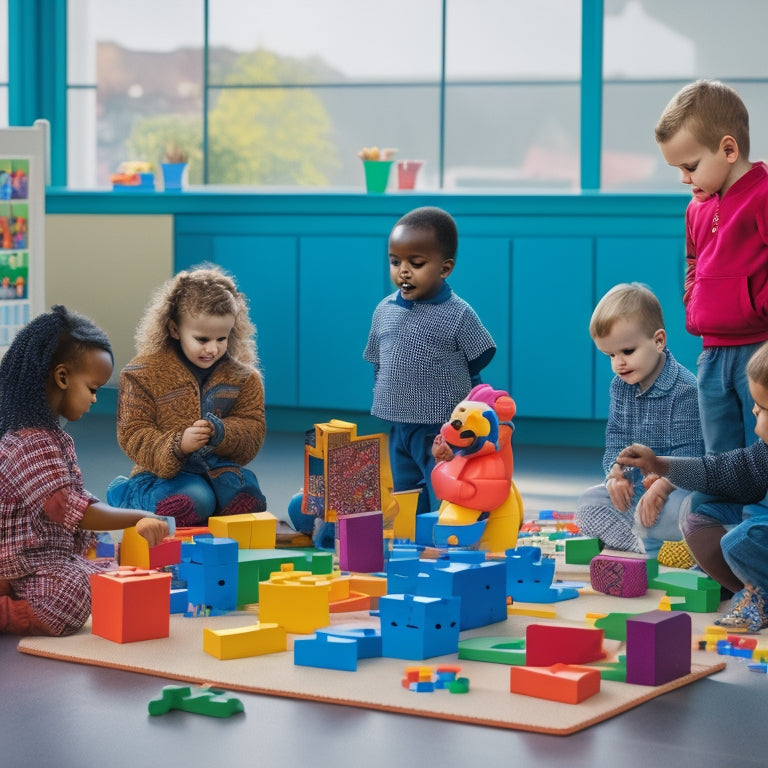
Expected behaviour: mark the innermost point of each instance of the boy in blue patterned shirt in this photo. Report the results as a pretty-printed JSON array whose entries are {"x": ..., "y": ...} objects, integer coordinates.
[
  {"x": 651, "y": 395},
  {"x": 426, "y": 344}
]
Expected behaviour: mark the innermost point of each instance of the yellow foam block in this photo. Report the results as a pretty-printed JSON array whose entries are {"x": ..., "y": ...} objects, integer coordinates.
[
  {"x": 253, "y": 530},
  {"x": 301, "y": 607},
  {"x": 241, "y": 642}
]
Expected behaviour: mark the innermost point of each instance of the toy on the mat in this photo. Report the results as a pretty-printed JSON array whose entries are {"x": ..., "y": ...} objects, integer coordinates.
[
  {"x": 473, "y": 476},
  {"x": 201, "y": 701},
  {"x": 344, "y": 473}
]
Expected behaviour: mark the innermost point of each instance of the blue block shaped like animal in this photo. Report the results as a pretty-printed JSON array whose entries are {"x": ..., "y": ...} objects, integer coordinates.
[{"x": 530, "y": 577}]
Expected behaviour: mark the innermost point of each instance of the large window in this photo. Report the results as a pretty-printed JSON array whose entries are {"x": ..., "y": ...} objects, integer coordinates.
[{"x": 488, "y": 93}]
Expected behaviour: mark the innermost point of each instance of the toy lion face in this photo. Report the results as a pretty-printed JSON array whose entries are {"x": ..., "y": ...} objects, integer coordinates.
[{"x": 471, "y": 424}]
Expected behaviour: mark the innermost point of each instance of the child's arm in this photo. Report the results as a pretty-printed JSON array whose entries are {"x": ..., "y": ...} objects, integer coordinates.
[
  {"x": 653, "y": 500},
  {"x": 240, "y": 435},
  {"x": 102, "y": 517}
]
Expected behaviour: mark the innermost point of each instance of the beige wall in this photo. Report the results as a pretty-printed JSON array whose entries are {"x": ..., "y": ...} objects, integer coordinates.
[{"x": 107, "y": 267}]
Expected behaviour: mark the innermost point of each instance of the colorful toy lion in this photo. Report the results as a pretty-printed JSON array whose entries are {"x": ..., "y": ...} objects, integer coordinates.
[{"x": 473, "y": 477}]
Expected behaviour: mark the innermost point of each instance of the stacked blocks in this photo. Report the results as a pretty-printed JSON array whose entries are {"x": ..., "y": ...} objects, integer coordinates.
[
  {"x": 618, "y": 576},
  {"x": 254, "y": 530},
  {"x": 415, "y": 627},
  {"x": 658, "y": 647},
  {"x": 480, "y": 584},
  {"x": 700, "y": 593},
  {"x": 243, "y": 642},
  {"x": 135, "y": 551},
  {"x": 296, "y": 601},
  {"x": 130, "y": 604},
  {"x": 209, "y": 566}
]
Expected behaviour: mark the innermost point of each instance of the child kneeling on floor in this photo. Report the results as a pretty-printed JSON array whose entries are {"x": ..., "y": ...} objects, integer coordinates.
[{"x": 653, "y": 399}]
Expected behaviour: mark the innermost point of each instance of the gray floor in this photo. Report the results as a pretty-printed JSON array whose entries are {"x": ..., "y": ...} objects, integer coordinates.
[{"x": 65, "y": 715}]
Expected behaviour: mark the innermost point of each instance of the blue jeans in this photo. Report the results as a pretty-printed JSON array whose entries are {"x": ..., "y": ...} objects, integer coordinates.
[
  {"x": 745, "y": 549},
  {"x": 411, "y": 461},
  {"x": 725, "y": 404},
  {"x": 209, "y": 494}
]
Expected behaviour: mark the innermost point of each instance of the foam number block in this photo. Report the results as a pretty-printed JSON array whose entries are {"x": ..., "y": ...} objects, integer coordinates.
[
  {"x": 130, "y": 604},
  {"x": 618, "y": 576}
]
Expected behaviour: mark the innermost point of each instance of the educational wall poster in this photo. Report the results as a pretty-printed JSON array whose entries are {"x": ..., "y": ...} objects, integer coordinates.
[{"x": 23, "y": 172}]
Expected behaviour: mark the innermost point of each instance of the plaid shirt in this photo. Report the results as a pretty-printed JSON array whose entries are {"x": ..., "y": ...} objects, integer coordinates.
[
  {"x": 665, "y": 417},
  {"x": 424, "y": 354},
  {"x": 42, "y": 501}
]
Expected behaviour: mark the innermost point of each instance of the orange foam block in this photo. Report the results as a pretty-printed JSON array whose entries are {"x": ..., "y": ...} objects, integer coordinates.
[
  {"x": 566, "y": 683},
  {"x": 130, "y": 604}
]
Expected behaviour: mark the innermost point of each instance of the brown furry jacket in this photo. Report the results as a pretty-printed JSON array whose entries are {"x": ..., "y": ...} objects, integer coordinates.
[{"x": 159, "y": 398}]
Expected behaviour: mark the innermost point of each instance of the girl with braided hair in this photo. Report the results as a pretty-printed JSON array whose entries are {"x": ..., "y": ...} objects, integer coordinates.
[
  {"x": 190, "y": 411},
  {"x": 52, "y": 370}
]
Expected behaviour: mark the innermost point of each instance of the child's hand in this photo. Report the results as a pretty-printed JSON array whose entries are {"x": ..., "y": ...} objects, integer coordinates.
[
  {"x": 649, "y": 506},
  {"x": 642, "y": 457},
  {"x": 196, "y": 436},
  {"x": 152, "y": 529},
  {"x": 620, "y": 490},
  {"x": 441, "y": 450}
]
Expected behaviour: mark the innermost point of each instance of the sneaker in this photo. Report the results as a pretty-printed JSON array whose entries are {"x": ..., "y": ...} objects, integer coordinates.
[{"x": 748, "y": 611}]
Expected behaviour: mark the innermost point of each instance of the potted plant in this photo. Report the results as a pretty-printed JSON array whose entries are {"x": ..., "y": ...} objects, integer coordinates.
[
  {"x": 376, "y": 164},
  {"x": 174, "y": 167}
]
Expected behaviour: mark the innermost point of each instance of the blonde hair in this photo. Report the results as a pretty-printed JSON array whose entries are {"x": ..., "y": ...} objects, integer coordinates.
[
  {"x": 710, "y": 110},
  {"x": 757, "y": 367},
  {"x": 203, "y": 290},
  {"x": 627, "y": 301}
]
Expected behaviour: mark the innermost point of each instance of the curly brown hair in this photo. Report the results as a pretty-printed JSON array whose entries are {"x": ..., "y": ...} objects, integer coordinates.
[{"x": 203, "y": 290}]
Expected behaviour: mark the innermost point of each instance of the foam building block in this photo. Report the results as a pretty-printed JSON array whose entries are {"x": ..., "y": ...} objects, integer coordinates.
[
  {"x": 614, "y": 625},
  {"x": 130, "y": 604},
  {"x": 179, "y": 599},
  {"x": 581, "y": 550},
  {"x": 497, "y": 650},
  {"x": 480, "y": 584},
  {"x": 257, "y": 565},
  {"x": 658, "y": 647},
  {"x": 700, "y": 593},
  {"x": 415, "y": 627},
  {"x": 135, "y": 551},
  {"x": 425, "y": 528},
  {"x": 547, "y": 645},
  {"x": 361, "y": 542},
  {"x": 561, "y": 682},
  {"x": 200, "y": 701},
  {"x": 326, "y": 652},
  {"x": 211, "y": 572},
  {"x": 368, "y": 639},
  {"x": 253, "y": 530},
  {"x": 618, "y": 576},
  {"x": 530, "y": 577},
  {"x": 300, "y": 606},
  {"x": 242, "y": 642}
]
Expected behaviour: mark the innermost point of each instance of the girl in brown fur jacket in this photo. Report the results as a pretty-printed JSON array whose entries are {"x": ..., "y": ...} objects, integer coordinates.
[{"x": 190, "y": 409}]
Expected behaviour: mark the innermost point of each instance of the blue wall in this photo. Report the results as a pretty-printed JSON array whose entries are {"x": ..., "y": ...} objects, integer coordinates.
[{"x": 314, "y": 266}]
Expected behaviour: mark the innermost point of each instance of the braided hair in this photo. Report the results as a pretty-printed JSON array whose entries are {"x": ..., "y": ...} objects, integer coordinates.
[{"x": 58, "y": 336}]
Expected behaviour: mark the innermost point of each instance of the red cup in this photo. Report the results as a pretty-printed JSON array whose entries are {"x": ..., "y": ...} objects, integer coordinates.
[{"x": 407, "y": 170}]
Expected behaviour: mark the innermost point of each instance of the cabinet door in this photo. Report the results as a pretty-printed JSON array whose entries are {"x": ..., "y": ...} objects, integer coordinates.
[
  {"x": 551, "y": 348},
  {"x": 266, "y": 270},
  {"x": 482, "y": 277},
  {"x": 341, "y": 280},
  {"x": 659, "y": 263}
]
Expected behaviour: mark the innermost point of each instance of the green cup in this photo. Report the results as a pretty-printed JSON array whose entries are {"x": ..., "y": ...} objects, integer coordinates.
[{"x": 377, "y": 175}]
